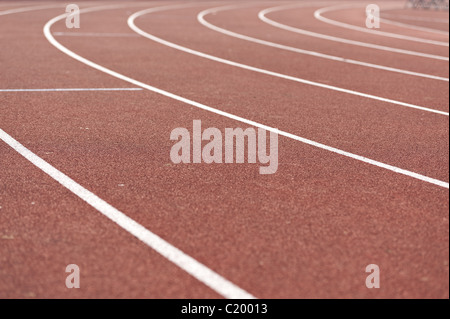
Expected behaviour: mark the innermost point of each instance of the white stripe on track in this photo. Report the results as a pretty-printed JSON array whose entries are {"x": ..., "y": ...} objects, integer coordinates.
[
  {"x": 199, "y": 271},
  {"x": 71, "y": 90},
  {"x": 318, "y": 15},
  {"x": 413, "y": 18},
  {"x": 263, "y": 17},
  {"x": 413, "y": 27},
  {"x": 176, "y": 256},
  {"x": 360, "y": 158},
  {"x": 92, "y": 34},
  {"x": 262, "y": 71},
  {"x": 201, "y": 18}
]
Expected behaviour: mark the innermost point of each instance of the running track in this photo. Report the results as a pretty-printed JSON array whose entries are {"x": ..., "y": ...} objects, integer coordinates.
[{"x": 363, "y": 151}]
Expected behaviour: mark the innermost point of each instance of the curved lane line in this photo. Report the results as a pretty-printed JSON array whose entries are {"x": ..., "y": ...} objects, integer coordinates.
[
  {"x": 199, "y": 271},
  {"x": 263, "y": 71},
  {"x": 360, "y": 158},
  {"x": 263, "y": 16},
  {"x": 173, "y": 254},
  {"x": 413, "y": 27},
  {"x": 413, "y": 18},
  {"x": 201, "y": 18},
  {"x": 318, "y": 15}
]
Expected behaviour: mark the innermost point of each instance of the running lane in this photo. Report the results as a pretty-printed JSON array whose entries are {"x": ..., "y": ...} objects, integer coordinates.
[
  {"x": 43, "y": 226},
  {"x": 424, "y": 18},
  {"x": 355, "y": 16},
  {"x": 302, "y": 18},
  {"x": 307, "y": 231},
  {"x": 371, "y": 80},
  {"x": 379, "y": 130}
]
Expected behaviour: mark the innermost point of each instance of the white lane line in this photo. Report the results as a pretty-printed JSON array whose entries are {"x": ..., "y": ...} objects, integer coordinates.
[
  {"x": 176, "y": 256},
  {"x": 31, "y": 8},
  {"x": 263, "y": 71},
  {"x": 360, "y": 158},
  {"x": 92, "y": 34},
  {"x": 263, "y": 16},
  {"x": 71, "y": 90},
  {"x": 201, "y": 18},
  {"x": 413, "y": 18},
  {"x": 318, "y": 15},
  {"x": 199, "y": 271},
  {"x": 173, "y": 254},
  {"x": 413, "y": 27}
]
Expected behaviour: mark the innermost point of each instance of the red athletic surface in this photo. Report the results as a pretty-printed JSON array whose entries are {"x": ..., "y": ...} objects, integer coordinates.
[{"x": 307, "y": 231}]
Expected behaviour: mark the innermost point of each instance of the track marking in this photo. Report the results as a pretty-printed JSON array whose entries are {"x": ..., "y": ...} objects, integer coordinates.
[
  {"x": 92, "y": 34},
  {"x": 201, "y": 18},
  {"x": 413, "y": 27},
  {"x": 412, "y": 18},
  {"x": 71, "y": 90},
  {"x": 318, "y": 15},
  {"x": 263, "y": 17},
  {"x": 173, "y": 254},
  {"x": 258, "y": 70},
  {"x": 103, "y": 69}
]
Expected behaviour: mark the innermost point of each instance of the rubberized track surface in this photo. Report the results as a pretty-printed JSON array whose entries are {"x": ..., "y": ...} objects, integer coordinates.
[{"x": 307, "y": 231}]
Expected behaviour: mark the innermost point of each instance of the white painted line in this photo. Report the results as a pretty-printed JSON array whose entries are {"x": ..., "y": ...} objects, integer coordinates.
[
  {"x": 263, "y": 17},
  {"x": 360, "y": 158},
  {"x": 413, "y": 27},
  {"x": 201, "y": 18},
  {"x": 413, "y": 18},
  {"x": 71, "y": 90},
  {"x": 199, "y": 271},
  {"x": 263, "y": 71},
  {"x": 92, "y": 34},
  {"x": 318, "y": 15},
  {"x": 173, "y": 254}
]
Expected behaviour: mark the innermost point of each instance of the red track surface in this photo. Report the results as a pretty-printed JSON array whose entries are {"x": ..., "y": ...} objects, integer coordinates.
[{"x": 307, "y": 231}]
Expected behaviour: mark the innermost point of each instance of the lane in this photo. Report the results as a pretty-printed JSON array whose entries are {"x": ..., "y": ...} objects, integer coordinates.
[
  {"x": 27, "y": 9},
  {"x": 265, "y": 71},
  {"x": 38, "y": 244},
  {"x": 202, "y": 15},
  {"x": 289, "y": 18},
  {"x": 165, "y": 249},
  {"x": 44, "y": 228},
  {"x": 353, "y": 17},
  {"x": 309, "y": 111},
  {"x": 51, "y": 39},
  {"x": 313, "y": 222},
  {"x": 291, "y": 228},
  {"x": 299, "y": 225},
  {"x": 437, "y": 20},
  {"x": 414, "y": 27}
]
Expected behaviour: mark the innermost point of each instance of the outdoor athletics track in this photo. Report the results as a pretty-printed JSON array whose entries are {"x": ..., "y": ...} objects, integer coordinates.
[{"x": 86, "y": 177}]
